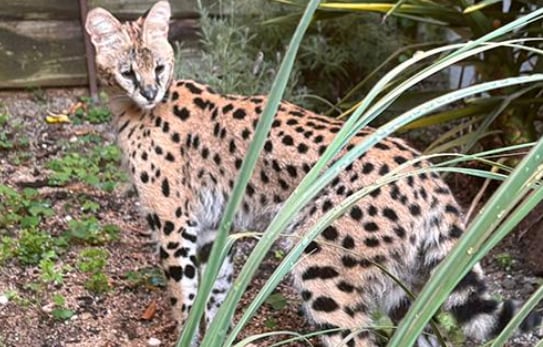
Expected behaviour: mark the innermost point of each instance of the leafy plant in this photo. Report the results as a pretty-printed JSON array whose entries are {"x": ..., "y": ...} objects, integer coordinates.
[
  {"x": 94, "y": 113},
  {"x": 24, "y": 208},
  {"x": 511, "y": 114},
  {"x": 35, "y": 245},
  {"x": 10, "y": 137},
  {"x": 93, "y": 262},
  {"x": 60, "y": 312},
  {"x": 242, "y": 48},
  {"x": 99, "y": 168},
  {"x": 90, "y": 231}
]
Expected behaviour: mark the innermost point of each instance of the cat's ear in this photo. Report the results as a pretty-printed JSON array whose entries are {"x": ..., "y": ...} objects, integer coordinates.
[
  {"x": 156, "y": 23},
  {"x": 104, "y": 30}
]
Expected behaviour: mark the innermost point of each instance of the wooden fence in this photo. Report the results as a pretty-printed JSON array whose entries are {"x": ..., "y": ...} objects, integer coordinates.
[{"x": 42, "y": 42}]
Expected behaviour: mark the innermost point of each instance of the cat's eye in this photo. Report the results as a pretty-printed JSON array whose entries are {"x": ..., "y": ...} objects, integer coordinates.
[
  {"x": 128, "y": 74},
  {"x": 159, "y": 69}
]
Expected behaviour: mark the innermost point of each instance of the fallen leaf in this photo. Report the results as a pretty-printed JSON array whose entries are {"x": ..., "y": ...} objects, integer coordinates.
[{"x": 150, "y": 311}]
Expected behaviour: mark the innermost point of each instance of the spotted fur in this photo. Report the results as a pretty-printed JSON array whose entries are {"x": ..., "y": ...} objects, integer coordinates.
[{"x": 184, "y": 145}]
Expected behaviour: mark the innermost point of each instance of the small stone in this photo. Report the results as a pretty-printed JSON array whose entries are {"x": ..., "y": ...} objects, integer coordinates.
[
  {"x": 3, "y": 300},
  {"x": 509, "y": 283},
  {"x": 153, "y": 342}
]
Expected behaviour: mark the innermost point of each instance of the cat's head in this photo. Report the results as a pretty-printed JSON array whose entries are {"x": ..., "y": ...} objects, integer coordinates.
[{"x": 135, "y": 58}]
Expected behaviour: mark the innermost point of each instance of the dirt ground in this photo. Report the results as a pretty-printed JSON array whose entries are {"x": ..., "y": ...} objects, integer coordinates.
[{"x": 136, "y": 314}]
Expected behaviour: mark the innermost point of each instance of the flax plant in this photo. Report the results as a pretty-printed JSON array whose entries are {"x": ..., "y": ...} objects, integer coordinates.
[{"x": 490, "y": 226}]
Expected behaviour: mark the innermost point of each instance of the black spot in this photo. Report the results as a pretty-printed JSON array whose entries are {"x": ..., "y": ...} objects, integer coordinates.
[
  {"x": 371, "y": 242},
  {"x": 400, "y": 231},
  {"x": 276, "y": 123},
  {"x": 238, "y": 163},
  {"x": 124, "y": 126},
  {"x": 287, "y": 140},
  {"x": 192, "y": 88},
  {"x": 371, "y": 227},
  {"x": 348, "y": 242},
  {"x": 306, "y": 295},
  {"x": 384, "y": 170},
  {"x": 217, "y": 159},
  {"x": 176, "y": 138},
  {"x": 356, "y": 213},
  {"x": 325, "y": 304},
  {"x": 205, "y": 152},
  {"x": 175, "y": 96},
  {"x": 302, "y": 148},
  {"x": 318, "y": 139},
  {"x": 166, "y": 127},
  {"x": 239, "y": 114},
  {"x": 245, "y": 133},
  {"x": 313, "y": 248},
  {"x": 203, "y": 252},
  {"x": 292, "y": 121},
  {"x": 348, "y": 261},
  {"x": 345, "y": 287},
  {"x": 390, "y": 214},
  {"x": 268, "y": 146},
  {"x": 382, "y": 146},
  {"x": 292, "y": 171},
  {"x": 158, "y": 150},
  {"x": 372, "y": 210},
  {"x": 190, "y": 271},
  {"x": 276, "y": 166},
  {"x": 399, "y": 159},
  {"x": 374, "y": 193},
  {"x": 284, "y": 185},
  {"x": 452, "y": 210},
  {"x": 232, "y": 147},
  {"x": 165, "y": 187},
  {"x": 200, "y": 103},
  {"x": 455, "y": 231},
  {"x": 322, "y": 149},
  {"x": 263, "y": 177},
  {"x": 321, "y": 272},
  {"x": 144, "y": 177},
  {"x": 182, "y": 113},
  {"x": 327, "y": 205},
  {"x": 187, "y": 236},
  {"x": 414, "y": 209},
  {"x": 330, "y": 233},
  {"x": 176, "y": 272},
  {"x": 163, "y": 254},
  {"x": 168, "y": 227},
  {"x": 170, "y": 157}
]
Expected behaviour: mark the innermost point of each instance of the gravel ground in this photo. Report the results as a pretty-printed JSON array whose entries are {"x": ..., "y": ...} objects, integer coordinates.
[{"x": 137, "y": 315}]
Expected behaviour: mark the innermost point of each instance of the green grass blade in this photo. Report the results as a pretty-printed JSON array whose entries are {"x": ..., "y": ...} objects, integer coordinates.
[
  {"x": 217, "y": 330},
  {"x": 455, "y": 266}
]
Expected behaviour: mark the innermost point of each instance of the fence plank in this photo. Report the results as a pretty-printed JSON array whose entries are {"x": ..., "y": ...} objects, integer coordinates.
[
  {"x": 69, "y": 9},
  {"x": 51, "y": 53}
]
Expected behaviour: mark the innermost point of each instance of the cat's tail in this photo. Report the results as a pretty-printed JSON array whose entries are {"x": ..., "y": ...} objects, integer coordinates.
[{"x": 481, "y": 316}]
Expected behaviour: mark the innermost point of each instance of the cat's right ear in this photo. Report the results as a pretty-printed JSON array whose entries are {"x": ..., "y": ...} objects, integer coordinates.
[{"x": 104, "y": 30}]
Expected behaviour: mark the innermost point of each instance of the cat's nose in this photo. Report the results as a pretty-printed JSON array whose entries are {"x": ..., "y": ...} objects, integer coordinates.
[{"x": 149, "y": 92}]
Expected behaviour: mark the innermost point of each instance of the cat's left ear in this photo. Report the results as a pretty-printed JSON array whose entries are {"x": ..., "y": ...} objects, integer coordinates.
[{"x": 156, "y": 23}]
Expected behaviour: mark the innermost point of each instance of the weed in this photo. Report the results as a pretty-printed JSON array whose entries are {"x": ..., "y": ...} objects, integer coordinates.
[
  {"x": 34, "y": 245},
  {"x": 146, "y": 277},
  {"x": 50, "y": 272},
  {"x": 93, "y": 262},
  {"x": 90, "y": 231},
  {"x": 10, "y": 134},
  {"x": 25, "y": 209},
  {"x": 95, "y": 113},
  {"x": 98, "y": 168},
  {"x": 60, "y": 312},
  {"x": 505, "y": 261}
]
